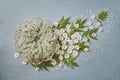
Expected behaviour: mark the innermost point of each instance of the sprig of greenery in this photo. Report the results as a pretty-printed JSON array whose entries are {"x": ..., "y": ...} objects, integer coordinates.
[{"x": 102, "y": 16}]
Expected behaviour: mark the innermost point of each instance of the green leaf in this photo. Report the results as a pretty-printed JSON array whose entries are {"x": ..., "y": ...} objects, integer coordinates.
[
  {"x": 63, "y": 22},
  {"x": 93, "y": 31},
  {"x": 102, "y": 16},
  {"x": 81, "y": 23}
]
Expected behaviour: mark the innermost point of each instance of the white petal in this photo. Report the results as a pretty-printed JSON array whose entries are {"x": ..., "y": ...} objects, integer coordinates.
[
  {"x": 89, "y": 23},
  {"x": 17, "y": 55},
  {"x": 93, "y": 17}
]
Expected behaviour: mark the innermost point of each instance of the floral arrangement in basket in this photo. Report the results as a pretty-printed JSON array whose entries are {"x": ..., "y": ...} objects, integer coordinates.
[{"x": 45, "y": 45}]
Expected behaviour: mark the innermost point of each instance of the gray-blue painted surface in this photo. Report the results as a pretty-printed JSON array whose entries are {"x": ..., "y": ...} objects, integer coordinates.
[{"x": 102, "y": 63}]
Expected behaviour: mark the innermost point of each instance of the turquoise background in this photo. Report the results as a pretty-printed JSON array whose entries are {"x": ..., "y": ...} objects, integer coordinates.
[{"x": 102, "y": 63}]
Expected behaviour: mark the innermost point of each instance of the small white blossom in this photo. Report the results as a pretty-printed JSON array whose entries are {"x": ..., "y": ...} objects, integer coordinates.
[
  {"x": 37, "y": 68},
  {"x": 62, "y": 30},
  {"x": 86, "y": 49},
  {"x": 66, "y": 55},
  {"x": 93, "y": 34},
  {"x": 73, "y": 36},
  {"x": 64, "y": 34},
  {"x": 53, "y": 62},
  {"x": 17, "y": 55},
  {"x": 100, "y": 29},
  {"x": 63, "y": 42},
  {"x": 98, "y": 24},
  {"x": 70, "y": 42},
  {"x": 76, "y": 33},
  {"x": 76, "y": 41},
  {"x": 55, "y": 23},
  {"x": 89, "y": 23},
  {"x": 61, "y": 57},
  {"x": 25, "y": 61},
  {"x": 85, "y": 29},
  {"x": 71, "y": 47},
  {"x": 64, "y": 47},
  {"x": 67, "y": 39},
  {"x": 68, "y": 26},
  {"x": 93, "y": 17},
  {"x": 61, "y": 38},
  {"x": 75, "y": 53},
  {"x": 91, "y": 27},
  {"x": 79, "y": 37},
  {"x": 61, "y": 52},
  {"x": 76, "y": 25},
  {"x": 69, "y": 50},
  {"x": 77, "y": 47},
  {"x": 85, "y": 38}
]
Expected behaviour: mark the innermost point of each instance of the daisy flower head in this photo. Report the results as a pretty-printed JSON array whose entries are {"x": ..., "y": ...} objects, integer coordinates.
[
  {"x": 37, "y": 68},
  {"x": 77, "y": 47},
  {"x": 93, "y": 17},
  {"x": 94, "y": 34},
  {"x": 76, "y": 25},
  {"x": 69, "y": 51},
  {"x": 53, "y": 62},
  {"x": 64, "y": 34},
  {"x": 66, "y": 55},
  {"x": 67, "y": 26},
  {"x": 100, "y": 29},
  {"x": 60, "y": 57},
  {"x": 86, "y": 49},
  {"x": 61, "y": 38},
  {"x": 71, "y": 47},
  {"x": 75, "y": 53},
  {"x": 68, "y": 30},
  {"x": 89, "y": 23},
  {"x": 63, "y": 42},
  {"x": 55, "y": 23},
  {"x": 85, "y": 39},
  {"x": 73, "y": 36},
  {"x": 64, "y": 47},
  {"x": 62, "y": 30},
  {"x": 17, "y": 55},
  {"x": 70, "y": 42},
  {"x": 76, "y": 41},
  {"x": 91, "y": 27},
  {"x": 98, "y": 24},
  {"x": 67, "y": 39},
  {"x": 25, "y": 61},
  {"x": 85, "y": 29}
]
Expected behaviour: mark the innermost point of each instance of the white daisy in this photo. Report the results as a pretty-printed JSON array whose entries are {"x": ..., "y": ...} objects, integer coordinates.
[
  {"x": 25, "y": 61},
  {"x": 67, "y": 26},
  {"x": 77, "y": 47},
  {"x": 93, "y": 17},
  {"x": 76, "y": 33},
  {"x": 63, "y": 42},
  {"x": 98, "y": 24},
  {"x": 61, "y": 38},
  {"x": 69, "y": 50},
  {"x": 37, "y": 68},
  {"x": 73, "y": 36},
  {"x": 68, "y": 30},
  {"x": 75, "y": 53},
  {"x": 61, "y": 52},
  {"x": 76, "y": 25},
  {"x": 70, "y": 42},
  {"x": 64, "y": 34},
  {"x": 79, "y": 37},
  {"x": 53, "y": 62},
  {"x": 17, "y": 55},
  {"x": 86, "y": 49},
  {"x": 64, "y": 47},
  {"x": 85, "y": 29},
  {"x": 91, "y": 27},
  {"x": 85, "y": 39},
  {"x": 60, "y": 57},
  {"x": 62, "y": 30},
  {"x": 94, "y": 34},
  {"x": 71, "y": 47},
  {"x": 55, "y": 23},
  {"x": 67, "y": 39},
  {"x": 76, "y": 41},
  {"x": 100, "y": 29},
  {"x": 89, "y": 23},
  {"x": 66, "y": 55}
]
